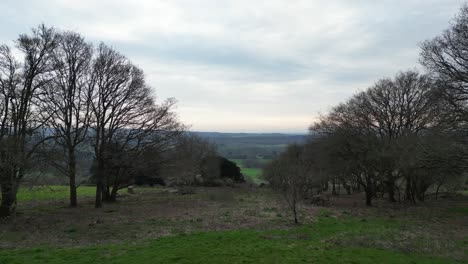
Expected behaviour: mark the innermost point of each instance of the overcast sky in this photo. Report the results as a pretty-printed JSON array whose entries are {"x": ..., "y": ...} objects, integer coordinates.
[{"x": 249, "y": 66}]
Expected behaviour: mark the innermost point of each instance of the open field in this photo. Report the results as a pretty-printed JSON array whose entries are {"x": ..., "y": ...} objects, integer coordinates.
[
  {"x": 52, "y": 192},
  {"x": 295, "y": 245},
  {"x": 233, "y": 225},
  {"x": 253, "y": 175}
]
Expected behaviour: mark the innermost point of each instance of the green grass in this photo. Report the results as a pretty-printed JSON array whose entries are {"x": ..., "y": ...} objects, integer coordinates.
[
  {"x": 52, "y": 192},
  {"x": 252, "y": 174},
  {"x": 240, "y": 162},
  {"x": 303, "y": 244}
]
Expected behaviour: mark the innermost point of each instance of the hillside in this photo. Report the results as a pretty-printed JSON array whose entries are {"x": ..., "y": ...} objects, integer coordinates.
[{"x": 251, "y": 145}]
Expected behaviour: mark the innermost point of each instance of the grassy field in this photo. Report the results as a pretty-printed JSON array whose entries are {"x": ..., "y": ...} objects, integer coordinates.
[
  {"x": 52, "y": 192},
  {"x": 306, "y": 244},
  {"x": 252, "y": 174},
  {"x": 230, "y": 225}
]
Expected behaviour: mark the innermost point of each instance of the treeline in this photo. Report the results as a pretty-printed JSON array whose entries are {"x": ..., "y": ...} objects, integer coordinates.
[
  {"x": 60, "y": 95},
  {"x": 402, "y": 138}
]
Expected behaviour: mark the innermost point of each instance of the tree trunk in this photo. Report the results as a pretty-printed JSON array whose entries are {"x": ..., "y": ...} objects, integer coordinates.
[
  {"x": 115, "y": 186},
  {"x": 391, "y": 191},
  {"x": 368, "y": 197},
  {"x": 106, "y": 194},
  {"x": 357, "y": 186},
  {"x": 408, "y": 190},
  {"x": 325, "y": 185},
  {"x": 98, "y": 201},
  {"x": 346, "y": 186},
  {"x": 412, "y": 193},
  {"x": 399, "y": 195},
  {"x": 333, "y": 186},
  {"x": 113, "y": 194},
  {"x": 437, "y": 191},
  {"x": 72, "y": 177},
  {"x": 7, "y": 206},
  {"x": 295, "y": 211},
  {"x": 369, "y": 190},
  {"x": 99, "y": 185}
]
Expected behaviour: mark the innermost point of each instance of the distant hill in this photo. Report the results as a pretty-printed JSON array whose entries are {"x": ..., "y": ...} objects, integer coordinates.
[
  {"x": 251, "y": 145},
  {"x": 253, "y": 138}
]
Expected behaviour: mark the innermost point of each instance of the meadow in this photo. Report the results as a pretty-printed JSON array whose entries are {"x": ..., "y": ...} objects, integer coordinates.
[
  {"x": 295, "y": 245},
  {"x": 253, "y": 175},
  {"x": 52, "y": 192},
  {"x": 231, "y": 225}
]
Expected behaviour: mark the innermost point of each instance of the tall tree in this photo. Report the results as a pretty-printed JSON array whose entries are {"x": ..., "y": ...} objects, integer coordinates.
[
  {"x": 68, "y": 98},
  {"x": 446, "y": 58},
  {"x": 375, "y": 129},
  {"x": 21, "y": 123},
  {"x": 139, "y": 149},
  {"x": 399, "y": 109},
  {"x": 124, "y": 116}
]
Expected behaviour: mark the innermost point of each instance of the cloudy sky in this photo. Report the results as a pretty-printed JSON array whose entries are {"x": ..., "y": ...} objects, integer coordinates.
[{"x": 249, "y": 66}]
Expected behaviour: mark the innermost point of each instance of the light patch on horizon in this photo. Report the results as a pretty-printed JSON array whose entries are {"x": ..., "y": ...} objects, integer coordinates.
[{"x": 249, "y": 66}]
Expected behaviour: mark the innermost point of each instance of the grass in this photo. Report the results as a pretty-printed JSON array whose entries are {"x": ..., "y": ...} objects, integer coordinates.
[
  {"x": 303, "y": 244},
  {"x": 231, "y": 225},
  {"x": 240, "y": 162},
  {"x": 52, "y": 192},
  {"x": 57, "y": 192},
  {"x": 459, "y": 210},
  {"x": 252, "y": 174}
]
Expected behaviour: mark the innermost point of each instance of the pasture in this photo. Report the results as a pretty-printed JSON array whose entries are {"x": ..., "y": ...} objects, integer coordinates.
[
  {"x": 231, "y": 225},
  {"x": 253, "y": 175},
  {"x": 52, "y": 192}
]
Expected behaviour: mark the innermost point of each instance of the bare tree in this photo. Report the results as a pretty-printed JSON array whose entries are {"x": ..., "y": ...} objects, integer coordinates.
[
  {"x": 21, "y": 125},
  {"x": 446, "y": 57},
  {"x": 377, "y": 127},
  {"x": 124, "y": 117},
  {"x": 352, "y": 155},
  {"x": 129, "y": 151},
  {"x": 292, "y": 175},
  {"x": 398, "y": 109},
  {"x": 67, "y": 98},
  {"x": 186, "y": 158},
  {"x": 442, "y": 159}
]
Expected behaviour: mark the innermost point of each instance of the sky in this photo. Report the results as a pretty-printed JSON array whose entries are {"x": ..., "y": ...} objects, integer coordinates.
[{"x": 248, "y": 66}]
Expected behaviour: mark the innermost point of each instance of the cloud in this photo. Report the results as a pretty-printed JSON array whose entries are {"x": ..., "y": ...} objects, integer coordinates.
[{"x": 249, "y": 65}]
